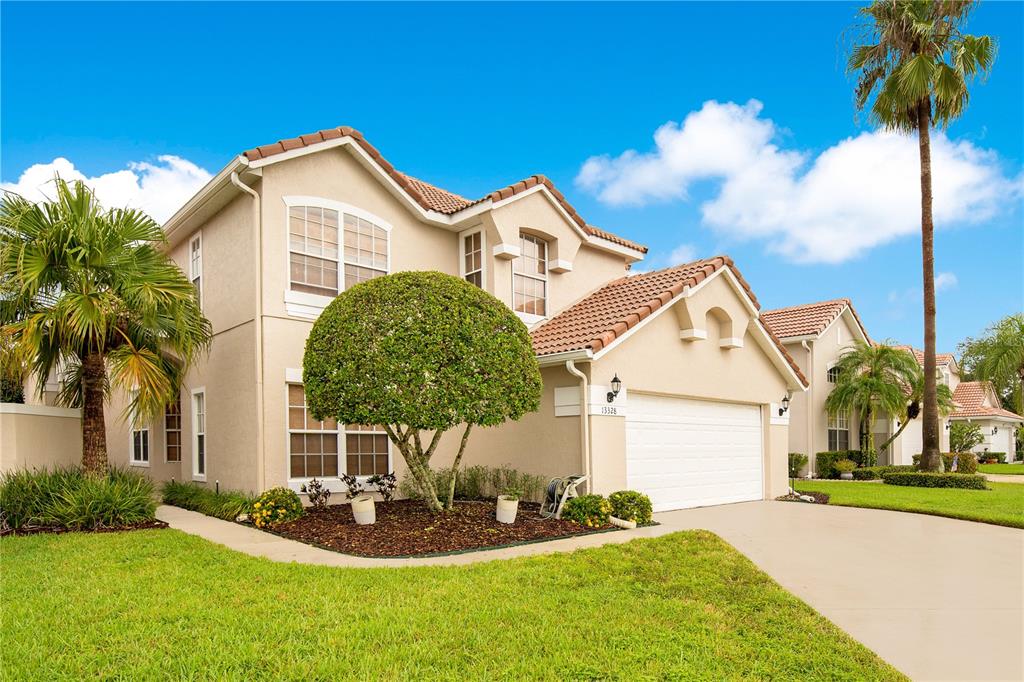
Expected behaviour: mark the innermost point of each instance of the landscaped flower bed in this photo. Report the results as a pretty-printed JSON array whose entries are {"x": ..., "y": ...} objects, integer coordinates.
[{"x": 408, "y": 528}]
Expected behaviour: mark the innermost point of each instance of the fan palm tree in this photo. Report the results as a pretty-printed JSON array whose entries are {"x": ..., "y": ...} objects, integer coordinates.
[
  {"x": 872, "y": 379},
  {"x": 915, "y": 63},
  {"x": 1003, "y": 362},
  {"x": 914, "y": 392},
  {"x": 88, "y": 293}
]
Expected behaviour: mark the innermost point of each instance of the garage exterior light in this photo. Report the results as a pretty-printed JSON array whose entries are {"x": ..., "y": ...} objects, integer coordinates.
[
  {"x": 616, "y": 387},
  {"x": 785, "y": 406}
]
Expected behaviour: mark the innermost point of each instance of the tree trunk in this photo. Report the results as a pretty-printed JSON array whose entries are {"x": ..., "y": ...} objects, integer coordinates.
[
  {"x": 903, "y": 426},
  {"x": 94, "y": 435},
  {"x": 930, "y": 459},
  {"x": 869, "y": 458},
  {"x": 408, "y": 443},
  {"x": 455, "y": 468}
]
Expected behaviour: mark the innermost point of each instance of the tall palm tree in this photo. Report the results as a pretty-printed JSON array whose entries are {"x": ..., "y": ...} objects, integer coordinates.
[
  {"x": 914, "y": 391},
  {"x": 872, "y": 379},
  {"x": 88, "y": 293},
  {"x": 915, "y": 63},
  {"x": 1003, "y": 362}
]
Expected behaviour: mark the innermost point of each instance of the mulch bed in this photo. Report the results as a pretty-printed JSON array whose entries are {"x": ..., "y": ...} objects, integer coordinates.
[
  {"x": 57, "y": 530},
  {"x": 819, "y": 498},
  {"x": 406, "y": 528}
]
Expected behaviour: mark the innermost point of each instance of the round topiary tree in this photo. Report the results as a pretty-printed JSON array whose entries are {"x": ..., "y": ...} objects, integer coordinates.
[{"x": 415, "y": 352}]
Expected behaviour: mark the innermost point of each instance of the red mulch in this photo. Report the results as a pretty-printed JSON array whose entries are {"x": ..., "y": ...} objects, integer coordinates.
[
  {"x": 407, "y": 528},
  {"x": 57, "y": 530}
]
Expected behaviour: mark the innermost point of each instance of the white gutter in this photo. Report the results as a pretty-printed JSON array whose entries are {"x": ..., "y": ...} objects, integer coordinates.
[
  {"x": 810, "y": 408},
  {"x": 553, "y": 359},
  {"x": 257, "y": 240},
  {"x": 570, "y": 367}
]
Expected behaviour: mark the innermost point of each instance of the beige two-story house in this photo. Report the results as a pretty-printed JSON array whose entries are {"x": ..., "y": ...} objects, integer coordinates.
[{"x": 284, "y": 228}]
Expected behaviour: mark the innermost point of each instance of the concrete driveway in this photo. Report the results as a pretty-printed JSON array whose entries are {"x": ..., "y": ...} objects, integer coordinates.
[{"x": 938, "y": 598}]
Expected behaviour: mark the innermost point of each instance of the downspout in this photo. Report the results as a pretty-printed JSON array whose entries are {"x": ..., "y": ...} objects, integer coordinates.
[
  {"x": 257, "y": 235},
  {"x": 570, "y": 367},
  {"x": 810, "y": 411}
]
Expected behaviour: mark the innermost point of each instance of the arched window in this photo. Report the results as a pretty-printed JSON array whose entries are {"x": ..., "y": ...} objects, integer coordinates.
[{"x": 331, "y": 248}]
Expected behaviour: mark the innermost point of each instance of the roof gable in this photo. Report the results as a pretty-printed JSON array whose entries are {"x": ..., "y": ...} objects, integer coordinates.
[
  {"x": 598, "y": 320},
  {"x": 978, "y": 399},
  {"x": 809, "y": 319}
]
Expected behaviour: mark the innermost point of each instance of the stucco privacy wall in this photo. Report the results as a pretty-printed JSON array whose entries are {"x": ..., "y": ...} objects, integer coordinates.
[
  {"x": 227, "y": 374},
  {"x": 38, "y": 436},
  {"x": 655, "y": 360}
]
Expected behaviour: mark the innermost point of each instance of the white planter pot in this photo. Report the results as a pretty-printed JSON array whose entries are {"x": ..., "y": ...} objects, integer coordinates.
[
  {"x": 621, "y": 523},
  {"x": 507, "y": 509},
  {"x": 363, "y": 510},
  {"x": 846, "y": 475}
]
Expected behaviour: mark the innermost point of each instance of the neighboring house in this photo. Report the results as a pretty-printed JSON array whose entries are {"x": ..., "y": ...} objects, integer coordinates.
[
  {"x": 816, "y": 335},
  {"x": 911, "y": 441},
  {"x": 284, "y": 228},
  {"x": 978, "y": 403}
]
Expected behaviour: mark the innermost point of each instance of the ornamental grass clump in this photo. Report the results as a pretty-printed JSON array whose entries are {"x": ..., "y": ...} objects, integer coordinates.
[
  {"x": 277, "y": 505},
  {"x": 227, "y": 504},
  {"x": 591, "y": 511}
]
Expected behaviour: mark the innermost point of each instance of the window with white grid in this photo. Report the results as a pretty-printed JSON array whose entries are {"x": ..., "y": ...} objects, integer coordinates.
[{"x": 530, "y": 276}]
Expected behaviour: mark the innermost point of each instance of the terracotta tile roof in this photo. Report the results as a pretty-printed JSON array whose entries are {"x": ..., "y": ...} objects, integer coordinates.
[
  {"x": 603, "y": 316},
  {"x": 807, "y": 319},
  {"x": 940, "y": 358},
  {"x": 428, "y": 196},
  {"x": 970, "y": 399}
]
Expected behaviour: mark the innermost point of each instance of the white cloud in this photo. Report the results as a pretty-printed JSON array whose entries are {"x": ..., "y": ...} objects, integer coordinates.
[
  {"x": 857, "y": 194},
  {"x": 683, "y": 253},
  {"x": 158, "y": 188},
  {"x": 945, "y": 280}
]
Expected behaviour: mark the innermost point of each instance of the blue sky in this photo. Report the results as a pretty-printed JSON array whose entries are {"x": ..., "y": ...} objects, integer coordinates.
[{"x": 473, "y": 97}]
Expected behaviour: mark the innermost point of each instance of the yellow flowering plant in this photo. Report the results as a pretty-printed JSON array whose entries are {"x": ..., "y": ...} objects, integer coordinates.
[
  {"x": 276, "y": 505},
  {"x": 591, "y": 511}
]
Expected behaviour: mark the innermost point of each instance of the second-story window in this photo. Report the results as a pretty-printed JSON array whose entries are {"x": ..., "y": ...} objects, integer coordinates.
[
  {"x": 473, "y": 258},
  {"x": 321, "y": 264},
  {"x": 530, "y": 276},
  {"x": 832, "y": 375},
  {"x": 195, "y": 264}
]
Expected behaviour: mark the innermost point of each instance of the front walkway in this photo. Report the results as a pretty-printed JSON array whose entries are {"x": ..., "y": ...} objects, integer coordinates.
[
  {"x": 1003, "y": 478},
  {"x": 938, "y": 598}
]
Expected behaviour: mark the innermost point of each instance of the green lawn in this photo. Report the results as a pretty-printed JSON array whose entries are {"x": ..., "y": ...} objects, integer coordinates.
[
  {"x": 1002, "y": 505},
  {"x": 1006, "y": 469},
  {"x": 162, "y": 604}
]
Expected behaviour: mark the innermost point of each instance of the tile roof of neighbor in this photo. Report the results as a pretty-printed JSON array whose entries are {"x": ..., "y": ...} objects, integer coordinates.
[
  {"x": 596, "y": 321},
  {"x": 970, "y": 398},
  {"x": 428, "y": 196},
  {"x": 808, "y": 319},
  {"x": 940, "y": 358}
]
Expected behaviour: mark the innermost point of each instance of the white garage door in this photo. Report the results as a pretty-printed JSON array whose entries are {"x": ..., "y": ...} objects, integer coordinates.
[{"x": 693, "y": 453}]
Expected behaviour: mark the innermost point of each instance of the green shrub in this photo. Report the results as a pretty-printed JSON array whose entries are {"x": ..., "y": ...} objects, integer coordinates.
[
  {"x": 629, "y": 505},
  {"x": 1000, "y": 457},
  {"x": 68, "y": 498},
  {"x": 227, "y": 505},
  {"x": 480, "y": 483},
  {"x": 276, "y": 505},
  {"x": 925, "y": 479},
  {"x": 588, "y": 510},
  {"x": 844, "y": 466},
  {"x": 825, "y": 461},
  {"x": 966, "y": 463},
  {"x": 964, "y": 436},
  {"x": 875, "y": 473},
  {"x": 797, "y": 461}
]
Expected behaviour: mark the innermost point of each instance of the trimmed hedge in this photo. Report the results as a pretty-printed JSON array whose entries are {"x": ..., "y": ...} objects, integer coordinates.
[
  {"x": 825, "y": 461},
  {"x": 875, "y": 473},
  {"x": 227, "y": 505},
  {"x": 966, "y": 464},
  {"x": 927, "y": 479}
]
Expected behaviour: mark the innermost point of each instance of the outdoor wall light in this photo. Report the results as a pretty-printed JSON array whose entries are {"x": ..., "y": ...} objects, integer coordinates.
[
  {"x": 785, "y": 406},
  {"x": 616, "y": 387},
  {"x": 947, "y": 426},
  {"x": 995, "y": 430}
]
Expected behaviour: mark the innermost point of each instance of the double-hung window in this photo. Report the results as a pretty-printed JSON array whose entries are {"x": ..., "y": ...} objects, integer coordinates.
[
  {"x": 530, "y": 276},
  {"x": 195, "y": 264},
  {"x": 473, "y": 258},
  {"x": 199, "y": 434},
  {"x": 140, "y": 443},
  {"x": 330, "y": 250},
  {"x": 313, "y": 446},
  {"x": 172, "y": 430},
  {"x": 839, "y": 431}
]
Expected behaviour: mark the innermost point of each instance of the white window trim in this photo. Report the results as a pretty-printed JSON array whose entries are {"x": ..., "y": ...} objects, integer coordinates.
[
  {"x": 332, "y": 483},
  {"x": 144, "y": 428},
  {"x": 839, "y": 417},
  {"x": 483, "y": 255},
  {"x": 192, "y": 275},
  {"x": 531, "y": 319},
  {"x": 181, "y": 446},
  {"x": 303, "y": 304},
  {"x": 196, "y": 476}
]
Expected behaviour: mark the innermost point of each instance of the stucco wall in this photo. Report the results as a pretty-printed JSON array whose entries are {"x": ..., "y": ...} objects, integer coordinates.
[{"x": 38, "y": 436}]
